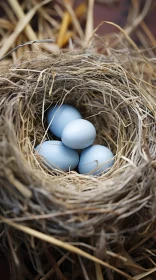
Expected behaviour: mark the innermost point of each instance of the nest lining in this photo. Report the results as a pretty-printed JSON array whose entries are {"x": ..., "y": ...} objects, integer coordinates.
[{"x": 116, "y": 94}]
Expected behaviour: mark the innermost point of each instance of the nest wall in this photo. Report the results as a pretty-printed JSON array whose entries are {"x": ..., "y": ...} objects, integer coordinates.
[{"x": 115, "y": 93}]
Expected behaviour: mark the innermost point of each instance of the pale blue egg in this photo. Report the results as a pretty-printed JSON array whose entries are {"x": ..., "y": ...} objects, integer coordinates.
[
  {"x": 95, "y": 160},
  {"x": 59, "y": 116},
  {"x": 78, "y": 134},
  {"x": 57, "y": 155}
]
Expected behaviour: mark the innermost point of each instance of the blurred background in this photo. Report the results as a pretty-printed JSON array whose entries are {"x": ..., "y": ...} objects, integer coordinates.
[{"x": 71, "y": 23}]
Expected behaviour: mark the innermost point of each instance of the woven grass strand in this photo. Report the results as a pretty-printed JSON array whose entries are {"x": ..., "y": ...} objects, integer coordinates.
[{"x": 117, "y": 94}]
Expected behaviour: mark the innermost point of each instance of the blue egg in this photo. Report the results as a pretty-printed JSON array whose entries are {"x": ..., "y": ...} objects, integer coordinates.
[
  {"x": 95, "y": 160},
  {"x": 57, "y": 155},
  {"x": 59, "y": 116},
  {"x": 78, "y": 134}
]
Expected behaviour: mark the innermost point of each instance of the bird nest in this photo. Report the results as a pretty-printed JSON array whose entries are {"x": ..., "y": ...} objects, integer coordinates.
[{"x": 99, "y": 218}]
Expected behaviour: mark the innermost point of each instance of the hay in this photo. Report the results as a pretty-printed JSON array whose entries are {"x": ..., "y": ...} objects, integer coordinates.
[
  {"x": 69, "y": 23},
  {"x": 102, "y": 215}
]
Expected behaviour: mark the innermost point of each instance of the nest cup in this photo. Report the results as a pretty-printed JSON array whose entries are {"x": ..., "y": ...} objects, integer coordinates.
[{"x": 116, "y": 94}]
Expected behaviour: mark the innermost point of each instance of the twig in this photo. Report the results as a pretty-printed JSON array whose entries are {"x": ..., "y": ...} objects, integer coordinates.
[
  {"x": 24, "y": 191},
  {"x": 99, "y": 275},
  {"x": 19, "y": 27},
  {"x": 28, "y": 43},
  {"x": 45, "y": 15},
  {"x": 74, "y": 19},
  {"x": 16, "y": 260},
  {"x": 54, "y": 241},
  {"x": 67, "y": 36},
  {"x": 83, "y": 268},
  {"x": 51, "y": 271},
  {"x": 89, "y": 24},
  {"x": 70, "y": 16},
  {"x": 63, "y": 28},
  {"x": 127, "y": 31},
  {"x": 148, "y": 33},
  {"x": 20, "y": 14},
  {"x": 144, "y": 274},
  {"x": 142, "y": 241},
  {"x": 142, "y": 15},
  {"x": 131, "y": 42},
  {"x": 57, "y": 270}
]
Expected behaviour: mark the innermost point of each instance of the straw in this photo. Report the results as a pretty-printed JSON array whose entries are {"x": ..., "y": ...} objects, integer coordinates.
[
  {"x": 63, "y": 245},
  {"x": 19, "y": 27},
  {"x": 20, "y": 14},
  {"x": 89, "y": 23},
  {"x": 82, "y": 214}
]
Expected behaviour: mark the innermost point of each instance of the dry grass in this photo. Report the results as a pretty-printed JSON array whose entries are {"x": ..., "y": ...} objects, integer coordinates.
[
  {"x": 66, "y": 225},
  {"x": 108, "y": 219},
  {"x": 70, "y": 25}
]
